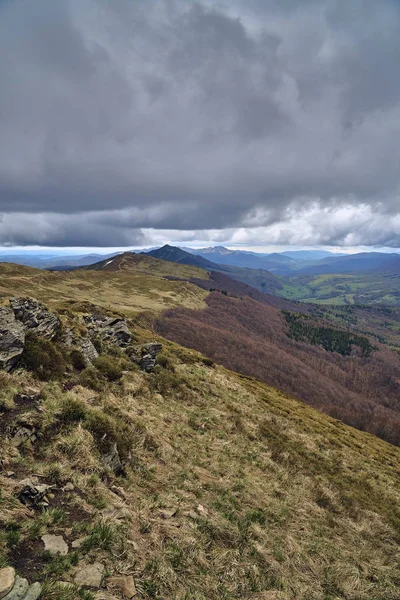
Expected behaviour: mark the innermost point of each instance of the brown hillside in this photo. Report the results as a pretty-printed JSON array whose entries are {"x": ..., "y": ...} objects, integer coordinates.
[{"x": 251, "y": 338}]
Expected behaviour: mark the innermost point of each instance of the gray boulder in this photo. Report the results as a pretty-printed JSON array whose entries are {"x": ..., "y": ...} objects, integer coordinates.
[
  {"x": 12, "y": 339},
  {"x": 36, "y": 316},
  {"x": 145, "y": 355},
  {"x": 85, "y": 345},
  {"x": 110, "y": 330}
]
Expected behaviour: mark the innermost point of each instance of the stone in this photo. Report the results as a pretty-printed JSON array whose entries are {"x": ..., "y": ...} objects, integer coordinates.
[
  {"x": 7, "y": 579},
  {"x": 32, "y": 494},
  {"x": 88, "y": 350},
  {"x": 36, "y": 316},
  {"x": 19, "y": 590},
  {"x": 55, "y": 544},
  {"x": 110, "y": 330},
  {"x": 168, "y": 513},
  {"x": 12, "y": 339},
  {"x": 34, "y": 592},
  {"x": 125, "y": 583},
  {"x": 90, "y": 576},
  {"x": 119, "y": 491},
  {"x": 68, "y": 487},
  {"x": 145, "y": 355},
  {"x": 23, "y": 435},
  {"x": 113, "y": 461},
  {"x": 78, "y": 542},
  {"x": 201, "y": 510},
  {"x": 30, "y": 394},
  {"x": 116, "y": 513}
]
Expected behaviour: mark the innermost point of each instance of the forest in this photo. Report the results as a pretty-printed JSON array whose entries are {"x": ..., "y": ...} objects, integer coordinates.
[{"x": 334, "y": 370}]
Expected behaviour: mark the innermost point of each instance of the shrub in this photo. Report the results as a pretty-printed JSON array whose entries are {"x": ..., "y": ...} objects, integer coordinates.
[
  {"x": 109, "y": 366},
  {"x": 208, "y": 362},
  {"x": 77, "y": 359},
  {"x": 92, "y": 379},
  {"x": 44, "y": 357},
  {"x": 103, "y": 429},
  {"x": 164, "y": 362},
  {"x": 164, "y": 381},
  {"x": 73, "y": 410}
]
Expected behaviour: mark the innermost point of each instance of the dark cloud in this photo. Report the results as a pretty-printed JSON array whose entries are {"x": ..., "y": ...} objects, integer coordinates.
[{"x": 118, "y": 119}]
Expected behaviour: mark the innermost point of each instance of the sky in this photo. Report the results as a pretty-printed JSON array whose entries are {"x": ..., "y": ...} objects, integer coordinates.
[{"x": 248, "y": 123}]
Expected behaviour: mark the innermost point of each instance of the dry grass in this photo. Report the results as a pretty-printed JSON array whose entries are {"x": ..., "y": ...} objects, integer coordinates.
[
  {"x": 124, "y": 291},
  {"x": 233, "y": 490}
]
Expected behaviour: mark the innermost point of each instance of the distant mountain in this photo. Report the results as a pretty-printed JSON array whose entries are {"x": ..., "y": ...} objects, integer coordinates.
[
  {"x": 276, "y": 263},
  {"x": 310, "y": 254},
  {"x": 54, "y": 262},
  {"x": 354, "y": 263},
  {"x": 261, "y": 279},
  {"x": 177, "y": 255}
]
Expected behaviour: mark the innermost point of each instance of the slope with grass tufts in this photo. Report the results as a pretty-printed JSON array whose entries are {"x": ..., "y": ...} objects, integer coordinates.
[{"x": 228, "y": 488}]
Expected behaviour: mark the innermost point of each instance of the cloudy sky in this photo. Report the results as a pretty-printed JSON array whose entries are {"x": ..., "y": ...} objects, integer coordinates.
[{"x": 248, "y": 122}]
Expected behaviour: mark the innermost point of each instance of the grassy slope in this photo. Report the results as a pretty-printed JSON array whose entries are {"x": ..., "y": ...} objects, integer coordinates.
[
  {"x": 272, "y": 499},
  {"x": 141, "y": 287}
]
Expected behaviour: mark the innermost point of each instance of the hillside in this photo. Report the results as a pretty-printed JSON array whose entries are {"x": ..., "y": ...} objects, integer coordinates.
[
  {"x": 136, "y": 284},
  {"x": 261, "y": 279},
  {"x": 143, "y": 263},
  {"x": 188, "y": 482},
  {"x": 348, "y": 375}
]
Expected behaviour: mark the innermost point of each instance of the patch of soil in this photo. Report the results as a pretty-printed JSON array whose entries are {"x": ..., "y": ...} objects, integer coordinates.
[
  {"x": 22, "y": 405},
  {"x": 27, "y": 559}
]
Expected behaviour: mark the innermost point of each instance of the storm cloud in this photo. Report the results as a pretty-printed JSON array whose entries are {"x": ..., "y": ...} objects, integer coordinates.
[{"x": 255, "y": 121}]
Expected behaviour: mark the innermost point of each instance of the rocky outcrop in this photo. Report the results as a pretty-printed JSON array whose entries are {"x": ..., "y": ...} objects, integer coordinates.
[
  {"x": 12, "y": 339},
  {"x": 112, "y": 331},
  {"x": 88, "y": 350},
  {"x": 145, "y": 355},
  {"x": 85, "y": 345},
  {"x": 35, "y": 316}
]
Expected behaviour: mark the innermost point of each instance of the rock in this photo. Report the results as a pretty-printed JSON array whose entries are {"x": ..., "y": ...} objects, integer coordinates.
[
  {"x": 34, "y": 592},
  {"x": 201, "y": 510},
  {"x": 19, "y": 590},
  {"x": 12, "y": 339},
  {"x": 23, "y": 435},
  {"x": 145, "y": 355},
  {"x": 88, "y": 350},
  {"x": 112, "y": 331},
  {"x": 125, "y": 583},
  {"x": 116, "y": 513},
  {"x": 78, "y": 542},
  {"x": 113, "y": 461},
  {"x": 7, "y": 579},
  {"x": 32, "y": 494},
  {"x": 90, "y": 576},
  {"x": 55, "y": 544},
  {"x": 68, "y": 487},
  {"x": 36, "y": 316},
  {"x": 30, "y": 394},
  {"x": 168, "y": 513},
  {"x": 119, "y": 491}
]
